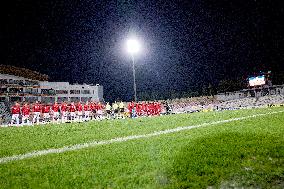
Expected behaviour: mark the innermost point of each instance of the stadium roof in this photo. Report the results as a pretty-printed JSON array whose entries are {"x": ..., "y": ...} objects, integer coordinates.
[{"x": 23, "y": 72}]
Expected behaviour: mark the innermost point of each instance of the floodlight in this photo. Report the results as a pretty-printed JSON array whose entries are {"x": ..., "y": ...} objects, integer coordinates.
[{"x": 133, "y": 46}]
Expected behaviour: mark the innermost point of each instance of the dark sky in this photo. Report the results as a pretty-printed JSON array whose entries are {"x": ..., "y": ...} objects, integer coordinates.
[{"x": 185, "y": 44}]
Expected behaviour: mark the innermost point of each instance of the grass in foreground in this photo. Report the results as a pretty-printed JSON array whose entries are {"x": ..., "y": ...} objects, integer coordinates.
[
  {"x": 26, "y": 139},
  {"x": 248, "y": 153}
]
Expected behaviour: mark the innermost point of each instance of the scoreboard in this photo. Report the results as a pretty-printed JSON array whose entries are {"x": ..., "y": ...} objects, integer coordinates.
[{"x": 257, "y": 81}]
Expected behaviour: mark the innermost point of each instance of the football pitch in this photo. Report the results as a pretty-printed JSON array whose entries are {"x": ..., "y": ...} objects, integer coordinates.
[{"x": 229, "y": 149}]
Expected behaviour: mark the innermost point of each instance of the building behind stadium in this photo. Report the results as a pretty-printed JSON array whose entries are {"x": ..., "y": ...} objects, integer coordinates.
[{"x": 19, "y": 84}]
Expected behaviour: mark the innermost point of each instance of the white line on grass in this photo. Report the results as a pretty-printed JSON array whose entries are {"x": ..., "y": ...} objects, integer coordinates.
[{"x": 120, "y": 139}]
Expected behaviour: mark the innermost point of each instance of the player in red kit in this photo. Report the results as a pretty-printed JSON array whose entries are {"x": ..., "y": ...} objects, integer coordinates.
[
  {"x": 86, "y": 111},
  {"x": 46, "y": 113},
  {"x": 159, "y": 108},
  {"x": 139, "y": 109},
  {"x": 26, "y": 114},
  {"x": 155, "y": 108},
  {"x": 72, "y": 110},
  {"x": 79, "y": 109},
  {"x": 36, "y": 112},
  {"x": 144, "y": 109},
  {"x": 148, "y": 107},
  {"x": 93, "y": 109},
  {"x": 64, "y": 112},
  {"x": 16, "y": 110},
  {"x": 152, "y": 109},
  {"x": 130, "y": 107},
  {"x": 55, "y": 112}
]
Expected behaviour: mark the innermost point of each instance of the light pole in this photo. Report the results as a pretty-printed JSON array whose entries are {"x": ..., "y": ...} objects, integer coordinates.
[
  {"x": 133, "y": 48},
  {"x": 134, "y": 79}
]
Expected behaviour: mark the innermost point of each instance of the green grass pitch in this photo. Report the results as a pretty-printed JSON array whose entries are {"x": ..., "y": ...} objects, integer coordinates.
[{"x": 245, "y": 153}]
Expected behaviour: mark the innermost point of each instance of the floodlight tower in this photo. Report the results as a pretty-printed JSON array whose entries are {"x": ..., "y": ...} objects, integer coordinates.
[{"x": 133, "y": 48}]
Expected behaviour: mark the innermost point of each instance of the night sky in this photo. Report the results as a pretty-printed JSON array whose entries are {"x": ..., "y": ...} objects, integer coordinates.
[{"x": 186, "y": 45}]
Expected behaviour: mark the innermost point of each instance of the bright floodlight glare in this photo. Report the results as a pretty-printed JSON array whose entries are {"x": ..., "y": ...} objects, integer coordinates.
[{"x": 133, "y": 46}]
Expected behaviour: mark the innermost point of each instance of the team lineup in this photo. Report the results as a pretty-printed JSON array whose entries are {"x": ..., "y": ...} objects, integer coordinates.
[{"x": 40, "y": 113}]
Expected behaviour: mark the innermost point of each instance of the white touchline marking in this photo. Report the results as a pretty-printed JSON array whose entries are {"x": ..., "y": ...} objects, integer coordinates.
[{"x": 120, "y": 139}]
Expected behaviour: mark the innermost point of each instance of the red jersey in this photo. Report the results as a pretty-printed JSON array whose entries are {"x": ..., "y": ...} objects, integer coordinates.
[
  {"x": 156, "y": 108},
  {"x": 36, "y": 108},
  {"x": 93, "y": 106},
  {"x": 144, "y": 107},
  {"x": 26, "y": 110},
  {"x": 86, "y": 107},
  {"x": 152, "y": 108},
  {"x": 16, "y": 109},
  {"x": 72, "y": 108},
  {"x": 45, "y": 109},
  {"x": 64, "y": 107},
  {"x": 79, "y": 107},
  {"x": 99, "y": 107},
  {"x": 159, "y": 107},
  {"x": 130, "y": 106},
  {"x": 55, "y": 108},
  {"x": 147, "y": 107},
  {"x": 138, "y": 108}
]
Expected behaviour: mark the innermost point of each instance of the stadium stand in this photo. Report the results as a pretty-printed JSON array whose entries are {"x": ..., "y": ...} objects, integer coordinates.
[
  {"x": 271, "y": 100},
  {"x": 209, "y": 103},
  {"x": 189, "y": 105},
  {"x": 5, "y": 115},
  {"x": 23, "y": 72}
]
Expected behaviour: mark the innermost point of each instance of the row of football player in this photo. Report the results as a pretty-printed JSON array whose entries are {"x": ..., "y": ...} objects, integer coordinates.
[
  {"x": 78, "y": 112},
  {"x": 43, "y": 113}
]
